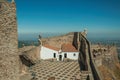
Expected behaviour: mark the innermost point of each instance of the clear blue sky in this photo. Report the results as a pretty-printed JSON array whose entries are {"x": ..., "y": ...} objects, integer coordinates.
[{"x": 98, "y": 16}]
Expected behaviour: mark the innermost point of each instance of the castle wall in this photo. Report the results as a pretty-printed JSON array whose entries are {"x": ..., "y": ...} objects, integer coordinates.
[
  {"x": 9, "y": 63},
  {"x": 58, "y": 40}
]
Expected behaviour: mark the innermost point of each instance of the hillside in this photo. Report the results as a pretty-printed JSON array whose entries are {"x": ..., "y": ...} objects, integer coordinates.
[
  {"x": 58, "y": 40},
  {"x": 110, "y": 67}
]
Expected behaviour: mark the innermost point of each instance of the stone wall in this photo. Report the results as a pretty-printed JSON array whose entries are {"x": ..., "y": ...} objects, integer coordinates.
[
  {"x": 9, "y": 63},
  {"x": 33, "y": 54},
  {"x": 29, "y": 55},
  {"x": 75, "y": 40},
  {"x": 58, "y": 40}
]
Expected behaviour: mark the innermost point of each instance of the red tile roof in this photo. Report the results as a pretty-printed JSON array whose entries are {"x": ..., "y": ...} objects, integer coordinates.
[
  {"x": 65, "y": 48},
  {"x": 68, "y": 48},
  {"x": 51, "y": 47}
]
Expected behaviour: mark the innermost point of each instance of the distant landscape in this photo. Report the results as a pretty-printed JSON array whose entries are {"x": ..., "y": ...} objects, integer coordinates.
[
  {"x": 60, "y": 40},
  {"x": 32, "y": 39}
]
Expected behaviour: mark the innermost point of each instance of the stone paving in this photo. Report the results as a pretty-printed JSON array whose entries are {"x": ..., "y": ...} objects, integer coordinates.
[{"x": 60, "y": 70}]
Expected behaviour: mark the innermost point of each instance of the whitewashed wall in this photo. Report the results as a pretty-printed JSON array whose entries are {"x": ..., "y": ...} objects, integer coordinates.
[
  {"x": 47, "y": 53},
  {"x": 70, "y": 55}
]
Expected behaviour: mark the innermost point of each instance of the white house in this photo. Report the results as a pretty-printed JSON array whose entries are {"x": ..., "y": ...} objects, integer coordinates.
[
  {"x": 66, "y": 51},
  {"x": 48, "y": 52}
]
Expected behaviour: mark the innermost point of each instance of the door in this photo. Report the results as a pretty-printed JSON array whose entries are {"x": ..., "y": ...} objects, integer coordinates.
[
  {"x": 60, "y": 57},
  {"x": 54, "y": 55},
  {"x": 65, "y": 55}
]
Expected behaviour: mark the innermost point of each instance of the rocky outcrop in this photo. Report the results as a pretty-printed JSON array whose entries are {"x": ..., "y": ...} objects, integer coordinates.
[
  {"x": 106, "y": 59},
  {"x": 28, "y": 57},
  {"x": 33, "y": 54}
]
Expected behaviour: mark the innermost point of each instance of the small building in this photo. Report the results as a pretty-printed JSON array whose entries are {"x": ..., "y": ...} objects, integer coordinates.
[
  {"x": 69, "y": 51},
  {"x": 48, "y": 52},
  {"x": 66, "y": 51}
]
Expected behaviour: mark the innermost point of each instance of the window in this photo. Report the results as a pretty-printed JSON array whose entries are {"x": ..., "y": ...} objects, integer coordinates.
[
  {"x": 74, "y": 54},
  {"x": 0, "y": 5},
  {"x": 65, "y": 55},
  {"x": 54, "y": 55}
]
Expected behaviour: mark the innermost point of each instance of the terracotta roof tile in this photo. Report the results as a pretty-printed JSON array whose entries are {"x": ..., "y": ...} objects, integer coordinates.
[
  {"x": 51, "y": 47},
  {"x": 68, "y": 48}
]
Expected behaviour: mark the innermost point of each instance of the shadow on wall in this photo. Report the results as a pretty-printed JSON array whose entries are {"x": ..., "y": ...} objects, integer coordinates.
[
  {"x": 25, "y": 60},
  {"x": 75, "y": 40}
]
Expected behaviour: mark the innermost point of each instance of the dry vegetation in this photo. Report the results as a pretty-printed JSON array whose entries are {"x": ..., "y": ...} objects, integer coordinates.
[
  {"x": 107, "y": 75},
  {"x": 117, "y": 71}
]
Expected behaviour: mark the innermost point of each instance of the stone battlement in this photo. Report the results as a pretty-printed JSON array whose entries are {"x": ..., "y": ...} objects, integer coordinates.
[{"x": 9, "y": 60}]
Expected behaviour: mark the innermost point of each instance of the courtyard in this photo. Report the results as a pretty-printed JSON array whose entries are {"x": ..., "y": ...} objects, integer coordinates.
[{"x": 60, "y": 70}]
